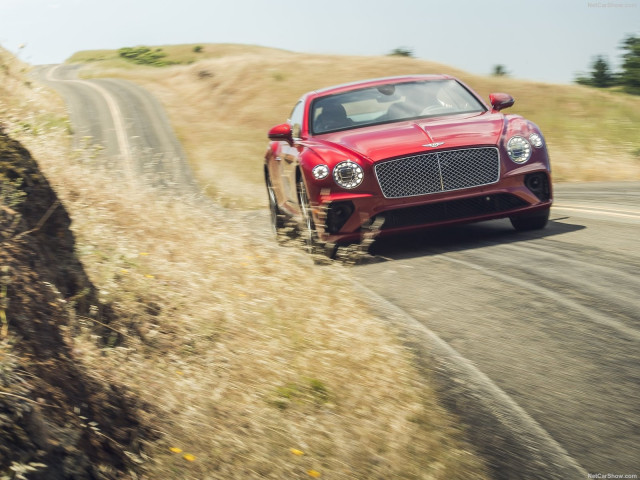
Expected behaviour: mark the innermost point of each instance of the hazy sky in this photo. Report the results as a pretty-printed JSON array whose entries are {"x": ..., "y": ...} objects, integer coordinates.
[{"x": 546, "y": 40}]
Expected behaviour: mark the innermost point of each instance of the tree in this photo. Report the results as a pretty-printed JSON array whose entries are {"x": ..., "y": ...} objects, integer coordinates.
[
  {"x": 499, "y": 71},
  {"x": 600, "y": 76},
  {"x": 630, "y": 76},
  {"x": 401, "y": 52}
]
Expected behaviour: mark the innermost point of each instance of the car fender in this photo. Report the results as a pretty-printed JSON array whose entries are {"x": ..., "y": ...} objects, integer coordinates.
[{"x": 518, "y": 125}]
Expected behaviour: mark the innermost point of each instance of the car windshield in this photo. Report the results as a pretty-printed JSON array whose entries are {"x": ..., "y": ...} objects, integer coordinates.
[{"x": 391, "y": 103}]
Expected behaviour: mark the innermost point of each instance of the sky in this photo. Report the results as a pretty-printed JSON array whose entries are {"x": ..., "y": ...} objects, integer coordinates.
[{"x": 543, "y": 40}]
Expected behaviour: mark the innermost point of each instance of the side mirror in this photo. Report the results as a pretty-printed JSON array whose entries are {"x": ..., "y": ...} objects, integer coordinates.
[
  {"x": 280, "y": 133},
  {"x": 500, "y": 101}
]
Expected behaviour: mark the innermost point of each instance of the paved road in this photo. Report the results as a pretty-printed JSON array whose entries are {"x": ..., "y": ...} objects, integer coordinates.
[
  {"x": 552, "y": 318},
  {"x": 126, "y": 123}
]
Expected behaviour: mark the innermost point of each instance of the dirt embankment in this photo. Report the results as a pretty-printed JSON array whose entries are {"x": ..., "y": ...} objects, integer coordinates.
[{"x": 57, "y": 419}]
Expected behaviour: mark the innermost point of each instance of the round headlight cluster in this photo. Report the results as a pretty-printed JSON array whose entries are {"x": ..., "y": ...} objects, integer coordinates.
[
  {"x": 535, "y": 140},
  {"x": 518, "y": 149},
  {"x": 348, "y": 174},
  {"x": 320, "y": 171}
]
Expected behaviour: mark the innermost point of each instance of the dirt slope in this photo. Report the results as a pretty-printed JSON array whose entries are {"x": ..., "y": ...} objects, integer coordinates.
[{"x": 55, "y": 416}]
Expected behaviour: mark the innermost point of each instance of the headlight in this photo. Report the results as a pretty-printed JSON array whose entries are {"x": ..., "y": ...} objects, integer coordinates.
[
  {"x": 348, "y": 174},
  {"x": 535, "y": 140},
  {"x": 519, "y": 149},
  {"x": 320, "y": 171}
]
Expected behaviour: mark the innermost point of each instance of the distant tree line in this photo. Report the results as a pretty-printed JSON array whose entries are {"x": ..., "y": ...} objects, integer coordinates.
[{"x": 601, "y": 75}]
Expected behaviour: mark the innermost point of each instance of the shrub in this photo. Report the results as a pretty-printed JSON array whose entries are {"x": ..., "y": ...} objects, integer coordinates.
[
  {"x": 401, "y": 52},
  {"x": 144, "y": 56}
]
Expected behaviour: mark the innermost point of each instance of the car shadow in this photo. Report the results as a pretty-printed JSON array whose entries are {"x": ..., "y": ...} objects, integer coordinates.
[{"x": 459, "y": 238}]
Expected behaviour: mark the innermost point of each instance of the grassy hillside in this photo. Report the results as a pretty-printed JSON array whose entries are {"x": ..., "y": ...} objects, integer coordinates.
[
  {"x": 223, "y": 100},
  {"x": 238, "y": 374}
]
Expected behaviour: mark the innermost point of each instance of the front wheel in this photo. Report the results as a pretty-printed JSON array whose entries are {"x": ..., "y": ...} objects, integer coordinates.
[
  {"x": 276, "y": 216},
  {"x": 532, "y": 221},
  {"x": 308, "y": 231}
]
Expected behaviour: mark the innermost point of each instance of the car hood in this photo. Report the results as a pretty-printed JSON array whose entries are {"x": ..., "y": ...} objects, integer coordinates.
[{"x": 411, "y": 136}]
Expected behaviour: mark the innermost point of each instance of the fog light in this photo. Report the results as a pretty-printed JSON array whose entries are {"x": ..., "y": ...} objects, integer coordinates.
[
  {"x": 538, "y": 183},
  {"x": 337, "y": 215}
]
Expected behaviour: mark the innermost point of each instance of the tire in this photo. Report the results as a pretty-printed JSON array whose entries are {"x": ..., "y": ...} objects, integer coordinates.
[
  {"x": 533, "y": 221},
  {"x": 308, "y": 231},
  {"x": 276, "y": 216}
]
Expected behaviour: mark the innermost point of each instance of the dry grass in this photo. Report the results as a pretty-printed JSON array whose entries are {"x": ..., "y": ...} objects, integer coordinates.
[
  {"x": 244, "y": 350},
  {"x": 27, "y": 110},
  {"x": 238, "y": 372},
  {"x": 223, "y": 106}
]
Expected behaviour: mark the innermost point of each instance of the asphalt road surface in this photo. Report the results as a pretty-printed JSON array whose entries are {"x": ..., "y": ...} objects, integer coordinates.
[
  {"x": 550, "y": 317},
  {"x": 125, "y": 124}
]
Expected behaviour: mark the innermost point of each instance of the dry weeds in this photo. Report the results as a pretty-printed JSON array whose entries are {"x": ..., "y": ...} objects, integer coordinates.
[{"x": 257, "y": 362}]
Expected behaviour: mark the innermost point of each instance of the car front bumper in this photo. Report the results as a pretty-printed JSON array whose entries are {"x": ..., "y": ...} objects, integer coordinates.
[{"x": 342, "y": 217}]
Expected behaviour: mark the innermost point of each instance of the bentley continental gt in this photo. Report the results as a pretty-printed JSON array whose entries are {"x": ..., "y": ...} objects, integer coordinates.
[{"x": 404, "y": 153}]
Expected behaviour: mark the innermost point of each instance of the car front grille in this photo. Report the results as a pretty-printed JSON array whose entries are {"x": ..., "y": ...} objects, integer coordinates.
[{"x": 438, "y": 172}]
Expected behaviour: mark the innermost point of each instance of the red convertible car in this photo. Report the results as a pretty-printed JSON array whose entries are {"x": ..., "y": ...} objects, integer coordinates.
[{"x": 404, "y": 153}]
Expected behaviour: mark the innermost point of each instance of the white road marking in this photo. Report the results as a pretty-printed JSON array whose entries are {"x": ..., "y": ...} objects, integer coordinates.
[
  {"x": 599, "y": 210},
  {"x": 477, "y": 385},
  {"x": 116, "y": 114},
  {"x": 588, "y": 313}
]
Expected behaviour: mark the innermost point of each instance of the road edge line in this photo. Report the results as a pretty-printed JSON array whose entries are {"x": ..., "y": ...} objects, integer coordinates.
[
  {"x": 511, "y": 441},
  {"x": 116, "y": 115}
]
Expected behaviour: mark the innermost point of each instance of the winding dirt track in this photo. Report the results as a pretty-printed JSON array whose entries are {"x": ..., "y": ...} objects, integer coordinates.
[{"x": 551, "y": 318}]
